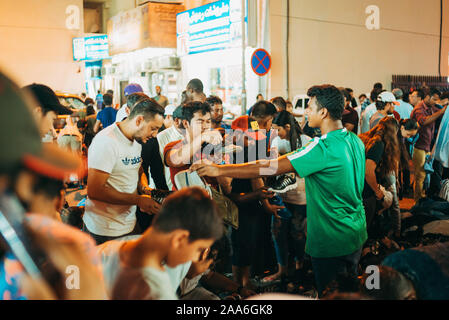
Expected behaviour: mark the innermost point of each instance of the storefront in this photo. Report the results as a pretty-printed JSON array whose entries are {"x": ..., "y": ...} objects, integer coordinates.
[
  {"x": 210, "y": 46},
  {"x": 142, "y": 45},
  {"x": 93, "y": 50}
]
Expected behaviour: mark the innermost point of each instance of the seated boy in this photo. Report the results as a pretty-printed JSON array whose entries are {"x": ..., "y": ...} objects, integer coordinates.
[{"x": 187, "y": 225}]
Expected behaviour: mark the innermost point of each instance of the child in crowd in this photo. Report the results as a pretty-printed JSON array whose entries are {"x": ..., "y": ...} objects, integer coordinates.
[
  {"x": 289, "y": 138},
  {"x": 186, "y": 227}
]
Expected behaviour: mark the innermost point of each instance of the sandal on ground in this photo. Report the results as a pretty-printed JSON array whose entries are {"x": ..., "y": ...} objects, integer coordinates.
[{"x": 271, "y": 278}]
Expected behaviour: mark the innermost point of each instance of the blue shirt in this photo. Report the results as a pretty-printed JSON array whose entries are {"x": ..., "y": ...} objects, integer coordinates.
[
  {"x": 366, "y": 116},
  {"x": 442, "y": 141},
  {"x": 107, "y": 116},
  {"x": 404, "y": 109}
]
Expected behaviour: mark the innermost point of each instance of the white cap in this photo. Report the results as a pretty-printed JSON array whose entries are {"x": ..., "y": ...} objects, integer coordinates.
[
  {"x": 387, "y": 96},
  {"x": 169, "y": 110}
]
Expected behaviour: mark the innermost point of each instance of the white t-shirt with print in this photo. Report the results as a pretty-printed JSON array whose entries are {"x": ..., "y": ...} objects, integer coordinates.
[
  {"x": 123, "y": 282},
  {"x": 115, "y": 154}
]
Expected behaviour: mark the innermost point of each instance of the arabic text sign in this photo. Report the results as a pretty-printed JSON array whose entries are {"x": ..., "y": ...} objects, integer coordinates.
[
  {"x": 90, "y": 48},
  {"x": 210, "y": 27}
]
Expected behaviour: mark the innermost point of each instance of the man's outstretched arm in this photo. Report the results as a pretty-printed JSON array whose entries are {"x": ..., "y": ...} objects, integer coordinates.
[{"x": 260, "y": 168}]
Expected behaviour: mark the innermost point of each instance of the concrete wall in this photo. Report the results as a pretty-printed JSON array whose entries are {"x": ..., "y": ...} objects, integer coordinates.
[
  {"x": 329, "y": 43},
  {"x": 36, "y": 45}
]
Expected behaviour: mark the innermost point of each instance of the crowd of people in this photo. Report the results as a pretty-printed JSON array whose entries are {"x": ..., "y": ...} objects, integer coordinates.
[{"x": 180, "y": 204}]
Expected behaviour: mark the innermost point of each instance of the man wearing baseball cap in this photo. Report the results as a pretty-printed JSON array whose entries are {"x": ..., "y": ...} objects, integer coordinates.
[
  {"x": 47, "y": 108},
  {"x": 404, "y": 109},
  {"x": 385, "y": 107},
  {"x": 124, "y": 111}
]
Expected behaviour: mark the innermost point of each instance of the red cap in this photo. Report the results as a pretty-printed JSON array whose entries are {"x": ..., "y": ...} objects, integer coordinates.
[{"x": 249, "y": 126}]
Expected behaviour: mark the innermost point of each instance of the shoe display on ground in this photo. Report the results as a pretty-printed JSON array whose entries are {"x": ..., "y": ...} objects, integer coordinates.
[{"x": 283, "y": 183}]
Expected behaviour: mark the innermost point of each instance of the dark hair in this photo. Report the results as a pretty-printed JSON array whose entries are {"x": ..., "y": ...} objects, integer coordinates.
[
  {"x": 133, "y": 98},
  {"x": 279, "y": 102},
  {"x": 148, "y": 108},
  {"x": 190, "y": 108},
  {"x": 349, "y": 90},
  {"x": 380, "y": 105},
  {"x": 329, "y": 97},
  {"x": 263, "y": 109},
  {"x": 89, "y": 101},
  {"x": 212, "y": 100},
  {"x": 434, "y": 91},
  {"x": 392, "y": 285},
  {"x": 110, "y": 91},
  {"x": 344, "y": 283},
  {"x": 444, "y": 95},
  {"x": 346, "y": 94},
  {"x": 107, "y": 99},
  {"x": 409, "y": 124},
  {"x": 386, "y": 132},
  {"x": 362, "y": 95},
  {"x": 421, "y": 93},
  {"x": 184, "y": 97},
  {"x": 259, "y": 95},
  {"x": 193, "y": 210},
  {"x": 378, "y": 86},
  {"x": 90, "y": 110},
  {"x": 283, "y": 118},
  {"x": 196, "y": 85},
  {"x": 374, "y": 93},
  {"x": 50, "y": 188},
  {"x": 81, "y": 124}
]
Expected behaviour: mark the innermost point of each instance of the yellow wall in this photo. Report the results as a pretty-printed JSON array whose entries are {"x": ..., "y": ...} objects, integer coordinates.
[
  {"x": 329, "y": 43},
  {"x": 36, "y": 46}
]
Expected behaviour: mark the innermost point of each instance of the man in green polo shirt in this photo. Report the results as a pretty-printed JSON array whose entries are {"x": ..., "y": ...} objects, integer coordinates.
[{"x": 334, "y": 170}]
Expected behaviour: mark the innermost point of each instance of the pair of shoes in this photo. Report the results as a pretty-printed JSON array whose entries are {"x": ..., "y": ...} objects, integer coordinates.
[
  {"x": 159, "y": 195},
  {"x": 282, "y": 183}
]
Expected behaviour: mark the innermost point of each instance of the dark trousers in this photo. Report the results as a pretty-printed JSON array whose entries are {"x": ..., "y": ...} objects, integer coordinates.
[
  {"x": 101, "y": 239},
  {"x": 370, "y": 210},
  {"x": 326, "y": 270}
]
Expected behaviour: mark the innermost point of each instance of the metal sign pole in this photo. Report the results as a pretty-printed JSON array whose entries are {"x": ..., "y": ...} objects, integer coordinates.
[{"x": 243, "y": 59}]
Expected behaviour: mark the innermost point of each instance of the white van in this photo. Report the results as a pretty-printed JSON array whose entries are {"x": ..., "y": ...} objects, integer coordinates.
[{"x": 300, "y": 102}]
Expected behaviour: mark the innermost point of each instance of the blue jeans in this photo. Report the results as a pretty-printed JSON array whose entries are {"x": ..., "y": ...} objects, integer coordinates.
[
  {"x": 284, "y": 228},
  {"x": 327, "y": 269}
]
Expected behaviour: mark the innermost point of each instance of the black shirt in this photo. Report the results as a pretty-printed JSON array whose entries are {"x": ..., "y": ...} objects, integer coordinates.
[
  {"x": 151, "y": 158},
  {"x": 351, "y": 116},
  {"x": 375, "y": 154}
]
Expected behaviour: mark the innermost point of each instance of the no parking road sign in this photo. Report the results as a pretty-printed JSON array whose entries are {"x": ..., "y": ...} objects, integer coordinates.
[{"x": 261, "y": 62}]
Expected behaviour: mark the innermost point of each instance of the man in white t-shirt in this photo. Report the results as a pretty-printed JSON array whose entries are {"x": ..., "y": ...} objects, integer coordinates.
[
  {"x": 114, "y": 164},
  {"x": 169, "y": 135},
  {"x": 125, "y": 110}
]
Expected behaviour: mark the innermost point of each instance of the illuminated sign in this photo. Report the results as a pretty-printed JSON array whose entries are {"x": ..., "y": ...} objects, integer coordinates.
[
  {"x": 90, "y": 48},
  {"x": 213, "y": 26}
]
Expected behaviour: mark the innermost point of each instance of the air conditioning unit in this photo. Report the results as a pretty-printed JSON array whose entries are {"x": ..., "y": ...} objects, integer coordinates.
[
  {"x": 169, "y": 63},
  {"x": 147, "y": 65},
  {"x": 94, "y": 72},
  {"x": 107, "y": 71}
]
